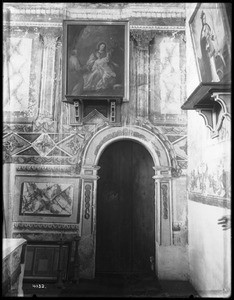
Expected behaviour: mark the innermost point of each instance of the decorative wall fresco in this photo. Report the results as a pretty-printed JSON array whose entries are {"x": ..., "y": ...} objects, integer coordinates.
[
  {"x": 55, "y": 147},
  {"x": 13, "y": 144},
  {"x": 41, "y": 145},
  {"x": 18, "y": 53},
  {"x": 167, "y": 78},
  {"x": 46, "y": 198},
  {"x": 208, "y": 181},
  {"x": 170, "y": 82}
]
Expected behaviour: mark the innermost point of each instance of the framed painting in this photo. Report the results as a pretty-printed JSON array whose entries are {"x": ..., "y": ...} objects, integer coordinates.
[
  {"x": 95, "y": 60},
  {"x": 43, "y": 198},
  {"x": 211, "y": 38},
  {"x": 46, "y": 198}
]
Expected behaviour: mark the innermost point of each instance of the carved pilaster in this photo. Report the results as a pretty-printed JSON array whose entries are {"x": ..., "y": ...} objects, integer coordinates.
[
  {"x": 87, "y": 242},
  {"x": 142, "y": 38},
  {"x": 50, "y": 41},
  {"x": 89, "y": 185},
  {"x": 58, "y": 81},
  {"x": 163, "y": 205}
]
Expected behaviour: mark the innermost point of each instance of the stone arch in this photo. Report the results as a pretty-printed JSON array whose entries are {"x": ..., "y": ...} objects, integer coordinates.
[
  {"x": 163, "y": 164},
  {"x": 97, "y": 144}
]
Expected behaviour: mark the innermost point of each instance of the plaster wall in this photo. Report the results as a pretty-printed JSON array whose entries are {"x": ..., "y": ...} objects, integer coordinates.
[
  {"x": 208, "y": 200},
  {"x": 209, "y": 192},
  {"x": 209, "y": 250},
  {"x": 42, "y": 145},
  {"x": 173, "y": 262}
]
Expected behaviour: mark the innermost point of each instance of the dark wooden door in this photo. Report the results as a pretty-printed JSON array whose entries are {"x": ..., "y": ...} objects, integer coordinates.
[{"x": 125, "y": 209}]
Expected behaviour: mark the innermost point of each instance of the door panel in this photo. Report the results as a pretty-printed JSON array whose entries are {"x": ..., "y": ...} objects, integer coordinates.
[
  {"x": 125, "y": 209},
  {"x": 142, "y": 209}
]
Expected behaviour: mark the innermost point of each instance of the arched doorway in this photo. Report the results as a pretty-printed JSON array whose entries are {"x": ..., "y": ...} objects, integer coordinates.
[{"x": 125, "y": 210}]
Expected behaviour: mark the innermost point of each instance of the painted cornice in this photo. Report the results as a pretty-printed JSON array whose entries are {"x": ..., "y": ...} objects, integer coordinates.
[
  {"x": 98, "y": 10},
  {"x": 60, "y": 25}
]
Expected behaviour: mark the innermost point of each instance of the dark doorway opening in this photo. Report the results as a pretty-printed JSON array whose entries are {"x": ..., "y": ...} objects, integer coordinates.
[{"x": 125, "y": 235}]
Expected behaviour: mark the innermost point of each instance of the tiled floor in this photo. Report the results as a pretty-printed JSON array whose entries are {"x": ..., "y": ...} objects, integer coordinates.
[{"x": 115, "y": 287}]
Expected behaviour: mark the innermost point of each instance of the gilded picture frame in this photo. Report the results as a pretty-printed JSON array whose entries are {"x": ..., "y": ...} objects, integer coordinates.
[{"x": 95, "y": 60}]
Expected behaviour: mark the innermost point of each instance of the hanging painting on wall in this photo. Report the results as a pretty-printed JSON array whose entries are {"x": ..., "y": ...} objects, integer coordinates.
[
  {"x": 211, "y": 38},
  {"x": 95, "y": 60}
]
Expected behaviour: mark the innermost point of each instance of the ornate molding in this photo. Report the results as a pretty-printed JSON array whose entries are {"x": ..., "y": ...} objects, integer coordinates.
[
  {"x": 123, "y": 131},
  {"x": 157, "y": 28},
  {"x": 176, "y": 172},
  {"x": 87, "y": 199},
  {"x": 45, "y": 226},
  {"x": 50, "y": 39},
  {"x": 143, "y": 38},
  {"x": 32, "y": 24},
  {"x": 162, "y": 173},
  {"x": 224, "y": 100},
  {"x": 44, "y": 160},
  {"x": 164, "y": 199},
  {"x": 60, "y": 25},
  {"x": 218, "y": 110},
  {"x": 110, "y": 14},
  {"x": 44, "y": 169}
]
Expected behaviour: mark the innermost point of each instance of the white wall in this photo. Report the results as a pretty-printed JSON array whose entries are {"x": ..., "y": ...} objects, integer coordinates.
[
  {"x": 208, "y": 195},
  {"x": 209, "y": 251},
  {"x": 172, "y": 262}
]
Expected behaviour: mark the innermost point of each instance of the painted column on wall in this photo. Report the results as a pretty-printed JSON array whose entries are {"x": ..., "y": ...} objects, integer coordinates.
[{"x": 88, "y": 214}]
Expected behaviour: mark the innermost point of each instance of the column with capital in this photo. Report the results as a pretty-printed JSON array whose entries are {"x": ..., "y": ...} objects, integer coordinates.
[
  {"x": 50, "y": 41},
  {"x": 142, "y": 39}
]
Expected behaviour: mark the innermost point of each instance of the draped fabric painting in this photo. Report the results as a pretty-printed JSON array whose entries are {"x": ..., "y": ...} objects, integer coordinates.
[{"x": 95, "y": 59}]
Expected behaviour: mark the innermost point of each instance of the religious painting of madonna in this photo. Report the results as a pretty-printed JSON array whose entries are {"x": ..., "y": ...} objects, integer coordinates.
[
  {"x": 211, "y": 37},
  {"x": 96, "y": 56}
]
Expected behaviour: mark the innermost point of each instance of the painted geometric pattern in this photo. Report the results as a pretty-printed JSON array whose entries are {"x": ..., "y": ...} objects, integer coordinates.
[
  {"x": 56, "y": 152},
  {"x": 42, "y": 145},
  {"x": 178, "y": 138},
  {"x": 95, "y": 117},
  {"x": 17, "y": 63},
  {"x": 7, "y": 128},
  {"x": 56, "y": 137},
  {"x": 180, "y": 146},
  {"x": 30, "y": 137},
  {"x": 29, "y": 152},
  {"x": 46, "y": 199},
  {"x": 72, "y": 145},
  {"x": 173, "y": 130},
  {"x": 13, "y": 143}
]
